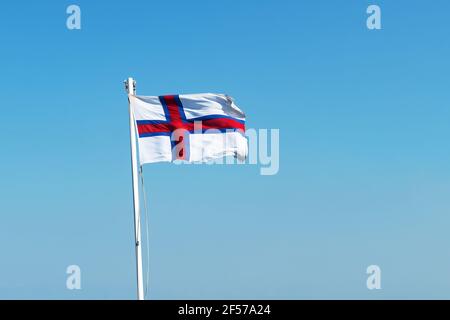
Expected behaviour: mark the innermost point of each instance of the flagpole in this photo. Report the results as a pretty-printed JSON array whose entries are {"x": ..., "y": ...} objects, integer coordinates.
[{"x": 130, "y": 86}]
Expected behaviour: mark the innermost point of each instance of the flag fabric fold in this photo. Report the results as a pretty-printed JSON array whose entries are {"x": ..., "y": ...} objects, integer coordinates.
[{"x": 193, "y": 127}]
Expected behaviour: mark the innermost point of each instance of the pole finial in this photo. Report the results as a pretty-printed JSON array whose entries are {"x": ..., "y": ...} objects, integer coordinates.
[{"x": 130, "y": 86}]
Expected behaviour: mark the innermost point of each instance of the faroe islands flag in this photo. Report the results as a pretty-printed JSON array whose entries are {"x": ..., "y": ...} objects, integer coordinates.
[{"x": 192, "y": 127}]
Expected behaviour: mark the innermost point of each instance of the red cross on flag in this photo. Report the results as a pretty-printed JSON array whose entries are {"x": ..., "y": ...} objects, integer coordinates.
[{"x": 192, "y": 127}]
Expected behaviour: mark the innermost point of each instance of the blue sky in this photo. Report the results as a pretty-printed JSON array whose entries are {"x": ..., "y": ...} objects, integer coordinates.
[{"x": 364, "y": 156}]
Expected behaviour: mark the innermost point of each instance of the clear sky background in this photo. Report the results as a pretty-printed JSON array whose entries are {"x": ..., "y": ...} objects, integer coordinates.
[{"x": 364, "y": 158}]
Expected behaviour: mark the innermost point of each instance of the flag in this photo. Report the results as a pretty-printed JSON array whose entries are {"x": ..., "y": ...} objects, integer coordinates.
[{"x": 192, "y": 127}]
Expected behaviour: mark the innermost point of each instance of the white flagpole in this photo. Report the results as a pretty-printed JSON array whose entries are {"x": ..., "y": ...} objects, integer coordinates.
[{"x": 130, "y": 86}]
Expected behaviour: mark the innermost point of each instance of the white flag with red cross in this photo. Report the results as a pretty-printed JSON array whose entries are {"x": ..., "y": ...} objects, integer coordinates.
[{"x": 192, "y": 127}]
